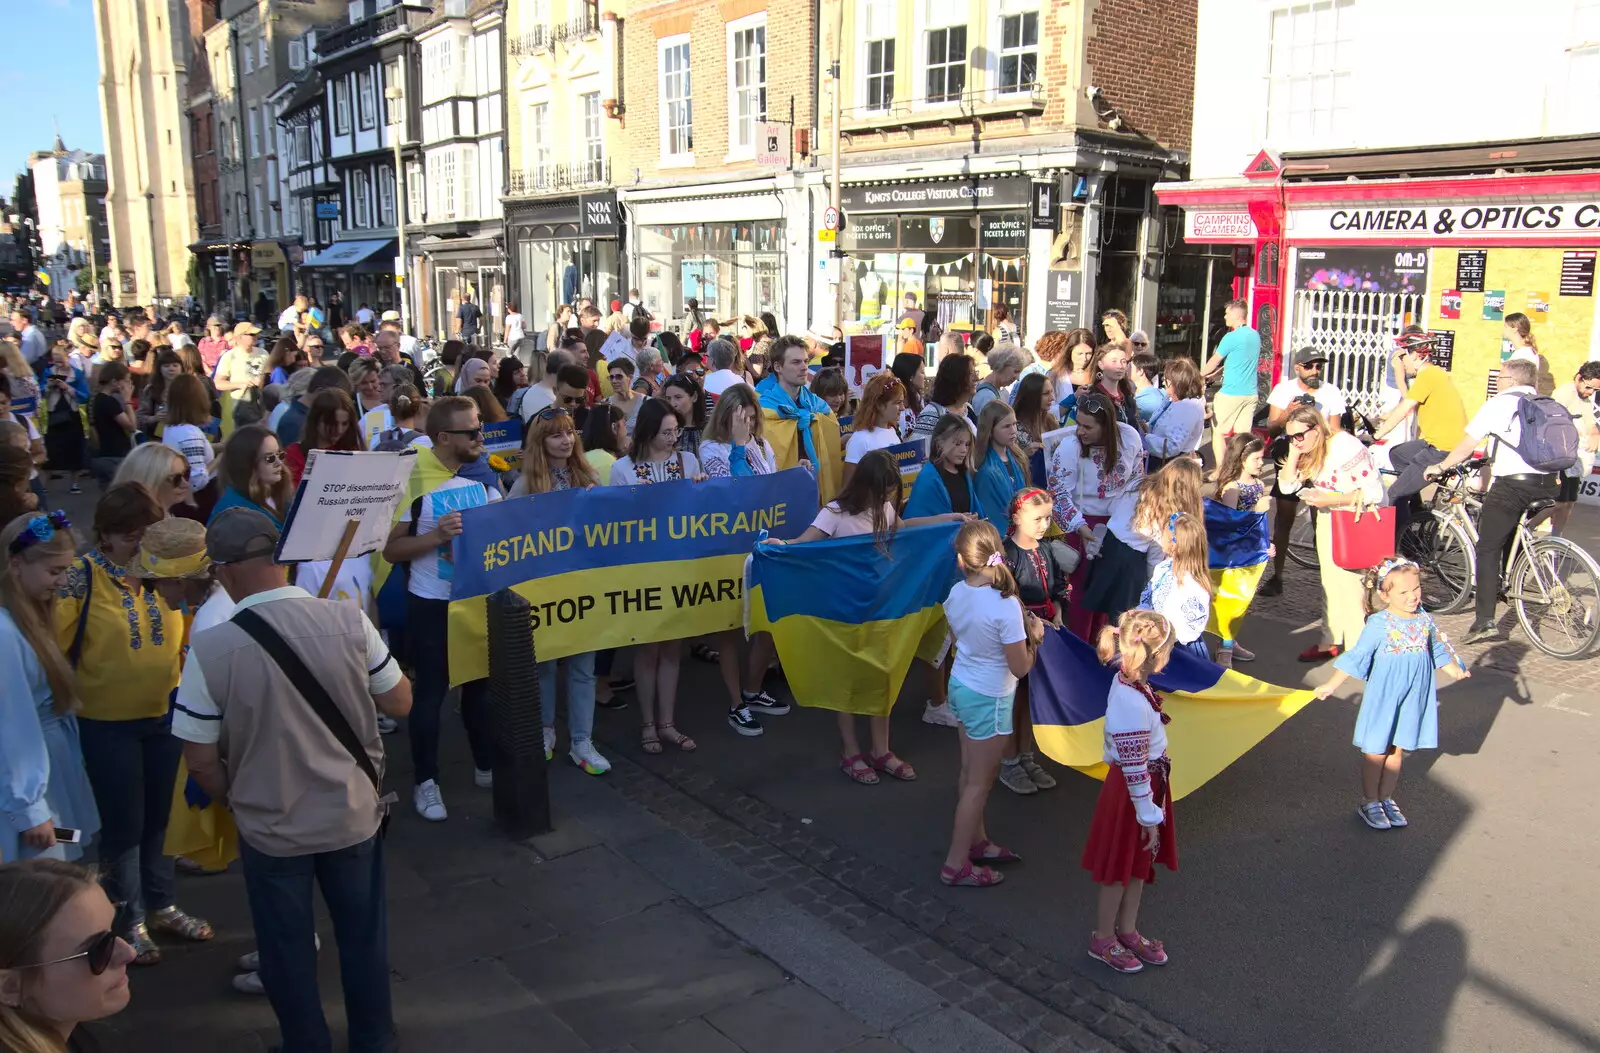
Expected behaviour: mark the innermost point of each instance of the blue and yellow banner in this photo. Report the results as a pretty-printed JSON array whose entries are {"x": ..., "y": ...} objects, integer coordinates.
[
  {"x": 1217, "y": 715},
  {"x": 503, "y": 439},
  {"x": 618, "y": 565},
  {"x": 847, "y": 619},
  {"x": 1237, "y": 540},
  {"x": 909, "y": 458}
]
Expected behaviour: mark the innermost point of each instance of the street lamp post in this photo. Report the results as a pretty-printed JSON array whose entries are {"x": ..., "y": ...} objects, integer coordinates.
[{"x": 397, "y": 95}]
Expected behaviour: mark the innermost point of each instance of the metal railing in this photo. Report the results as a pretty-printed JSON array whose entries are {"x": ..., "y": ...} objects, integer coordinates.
[
  {"x": 354, "y": 35},
  {"x": 531, "y": 42},
  {"x": 1029, "y": 96},
  {"x": 586, "y": 24},
  {"x": 558, "y": 177}
]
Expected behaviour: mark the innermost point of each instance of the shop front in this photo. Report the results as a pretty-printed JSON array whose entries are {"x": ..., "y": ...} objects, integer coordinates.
[
  {"x": 1345, "y": 263},
  {"x": 209, "y": 277},
  {"x": 956, "y": 247},
  {"x": 455, "y": 268},
  {"x": 726, "y": 246},
  {"x": 360, "y": 271},
  {"x": 269, "y": 276},
  {"x": 563, "y": 250}
]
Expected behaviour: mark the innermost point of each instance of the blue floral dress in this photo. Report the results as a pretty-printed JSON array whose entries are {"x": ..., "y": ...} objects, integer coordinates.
[{"x": 1397, "y": 657}]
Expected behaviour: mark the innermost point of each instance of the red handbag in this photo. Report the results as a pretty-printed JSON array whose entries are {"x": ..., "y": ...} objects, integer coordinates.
[{"x": 1363, "y": 538}]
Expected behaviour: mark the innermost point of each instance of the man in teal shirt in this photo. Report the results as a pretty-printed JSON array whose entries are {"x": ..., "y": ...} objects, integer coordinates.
[{"x": 1237, "y": 357}]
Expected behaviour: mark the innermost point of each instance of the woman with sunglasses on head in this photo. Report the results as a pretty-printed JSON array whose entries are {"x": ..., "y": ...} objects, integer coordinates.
[
  {"x": 61, "y": 962},
  {"x": 655, "y": 458},
  {"x": 1094, "y": 476},
  {"x": 1331, "y": 471},
  {"x": 331, "y": 424},
  {"x": 733, "y": 448},
  {"x": 42, "y": 781},
  {"x": 553, "y": 460},
  {"x": 126, "y": 643}
]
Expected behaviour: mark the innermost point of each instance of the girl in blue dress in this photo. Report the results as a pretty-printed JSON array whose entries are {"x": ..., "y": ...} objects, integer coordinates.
[
  {"x": 1397, "y": 653},
  {"x": 43, "y": 785}
]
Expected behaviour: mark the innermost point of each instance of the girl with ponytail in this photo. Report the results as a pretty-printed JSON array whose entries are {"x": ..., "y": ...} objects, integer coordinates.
[
  {"x": 996, "y": 641},
  {"x": 1132, "y": 829}
]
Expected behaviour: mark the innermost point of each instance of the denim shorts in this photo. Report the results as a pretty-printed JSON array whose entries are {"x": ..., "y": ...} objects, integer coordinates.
[{"x": 981, "y": 716}]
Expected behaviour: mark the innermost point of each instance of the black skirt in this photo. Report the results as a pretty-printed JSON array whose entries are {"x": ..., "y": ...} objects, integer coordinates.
[
  {"x": 64, "y": 444},
  {"x": 1116, "y": 579}
]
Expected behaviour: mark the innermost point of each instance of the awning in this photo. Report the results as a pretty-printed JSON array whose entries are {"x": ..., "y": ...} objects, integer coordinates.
[{"x": 345, "y": 253}]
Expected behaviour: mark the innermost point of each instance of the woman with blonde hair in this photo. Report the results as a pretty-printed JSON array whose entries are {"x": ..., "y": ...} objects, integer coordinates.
[
  {"x": 62, "y": 963},
  {"x": 42, "y": 781},
  {"x": 164, "y": 472},
  {"x": 999, "y": 465}
]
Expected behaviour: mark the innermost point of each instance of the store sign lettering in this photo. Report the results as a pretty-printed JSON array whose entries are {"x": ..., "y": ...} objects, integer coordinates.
[
  {"x": 1219, "y": 226},
  {"x": 1432, "y": 223},
  {"x": 927, "y": 194}
]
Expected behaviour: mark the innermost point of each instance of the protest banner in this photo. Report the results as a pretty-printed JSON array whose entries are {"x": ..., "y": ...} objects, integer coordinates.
[
  {"x": 617, "y": 566},
  {"x": 504, "y": 439},
  {"x": 908, "y": 457},
  {"x": 863, "y": 356},
  {"x": 343, "y": 507}
]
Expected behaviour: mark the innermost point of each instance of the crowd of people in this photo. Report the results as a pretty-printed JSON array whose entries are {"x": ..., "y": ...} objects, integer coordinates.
[{"x": 152, "y": 660}]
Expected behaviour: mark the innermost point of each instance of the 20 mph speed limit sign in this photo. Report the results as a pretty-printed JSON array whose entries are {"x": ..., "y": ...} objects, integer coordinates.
[{"x": 830, "y": 218}]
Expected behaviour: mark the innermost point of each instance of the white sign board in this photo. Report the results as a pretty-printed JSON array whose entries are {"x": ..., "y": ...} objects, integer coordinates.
[
  {"x": 1402, "y": 221},
  {"x": 772, "y": 144},
  {"x": 339, "y": 486},
  {"x": 1200, "y": 226},
  {"x": 1589, "y": 488}
]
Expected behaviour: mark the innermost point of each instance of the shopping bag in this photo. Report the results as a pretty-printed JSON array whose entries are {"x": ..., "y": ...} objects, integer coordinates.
[
  {"x": 198, "y": 827},
  {"x": 1362, "y": 538}
]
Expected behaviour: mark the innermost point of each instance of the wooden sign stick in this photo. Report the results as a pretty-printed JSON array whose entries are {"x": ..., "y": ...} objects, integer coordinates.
[{"x": 350, "y": 528}]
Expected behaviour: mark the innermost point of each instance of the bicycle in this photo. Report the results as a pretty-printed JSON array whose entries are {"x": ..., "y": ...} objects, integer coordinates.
[{"x": 1551, "y": 583}]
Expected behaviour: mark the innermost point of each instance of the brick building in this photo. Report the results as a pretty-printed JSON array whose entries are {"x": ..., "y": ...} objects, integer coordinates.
[
  {"x": 1002, "y": 153},
  {"x": 718, "y": 142}
]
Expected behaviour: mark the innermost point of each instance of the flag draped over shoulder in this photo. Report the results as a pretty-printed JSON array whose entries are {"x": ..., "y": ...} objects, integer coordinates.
[
  {"x": 803, "y": 429},
  {"x": 846, "y": 619},
  {"x": 390, "y": 589},
  {"x": 1236, "y": 540},
  {"x": 1217, "y": 714}
]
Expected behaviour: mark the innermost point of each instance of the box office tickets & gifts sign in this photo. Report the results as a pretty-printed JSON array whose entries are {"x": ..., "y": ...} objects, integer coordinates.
[{"x": 618, "y": 565}]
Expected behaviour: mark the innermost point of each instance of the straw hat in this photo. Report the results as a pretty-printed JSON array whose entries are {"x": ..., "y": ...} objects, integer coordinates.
[{"x": 172, "y": 548}]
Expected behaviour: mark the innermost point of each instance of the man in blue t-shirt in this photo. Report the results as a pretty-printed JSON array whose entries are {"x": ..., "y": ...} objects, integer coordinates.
[{"x": 1237, "y": 357}]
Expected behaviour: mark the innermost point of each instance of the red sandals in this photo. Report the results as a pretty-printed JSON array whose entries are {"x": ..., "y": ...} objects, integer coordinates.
[{"x": 970, "y": 876}]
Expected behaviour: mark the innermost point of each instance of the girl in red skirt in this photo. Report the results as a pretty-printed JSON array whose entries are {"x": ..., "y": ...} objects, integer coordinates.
[{"x": 1132, "y": 828}]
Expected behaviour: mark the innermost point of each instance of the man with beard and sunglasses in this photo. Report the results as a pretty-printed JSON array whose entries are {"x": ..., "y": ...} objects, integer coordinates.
[{"x": 1305, "y": 388}]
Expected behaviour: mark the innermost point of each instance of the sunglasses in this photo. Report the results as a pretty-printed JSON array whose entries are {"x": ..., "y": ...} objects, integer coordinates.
[
  {"x": 178, "y": 479},
  {"x": 551, "y": 413},
  {"x": 618, "y": 378},
  {"x": 470, "y": 433},
  {"x": 272, "y": 458},
  {"x": 99, "y": 953},
  {"x": 1297, "y": 436}
]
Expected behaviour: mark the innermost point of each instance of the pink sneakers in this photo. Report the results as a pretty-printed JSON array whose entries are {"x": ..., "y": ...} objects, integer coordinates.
[
  {"x": 1111, "y": 951},
  {"x": 1151, "y": 952}
]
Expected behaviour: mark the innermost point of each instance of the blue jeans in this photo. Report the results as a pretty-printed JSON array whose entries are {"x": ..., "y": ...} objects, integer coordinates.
[
  {"x": 283, "y": 911},
  {"x": 132, "y": 766},
  {"x": 580, "y": 694},
  {"x": 426, "y": 628}
]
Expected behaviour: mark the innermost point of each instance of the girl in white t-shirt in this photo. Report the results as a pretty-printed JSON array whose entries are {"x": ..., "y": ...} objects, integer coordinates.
[
  {"x": 883, "y": 399},
  {"x": 866, "y": 505},
  {"x": 188, "y": 414},
  {"x": 996, "y": 641}
]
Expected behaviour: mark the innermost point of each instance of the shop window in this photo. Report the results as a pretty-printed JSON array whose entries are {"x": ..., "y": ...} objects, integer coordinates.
[
  {"x": 947, "y": 63},
  {"x": 594, "y": 147},
  {"x": 1311, "y": 49},
  {"x": 728, "y": 268},
  {"x": 677, "y": 102},
  {"x": 747, "y": 80},
  {"x": 1019, "y": 52}
]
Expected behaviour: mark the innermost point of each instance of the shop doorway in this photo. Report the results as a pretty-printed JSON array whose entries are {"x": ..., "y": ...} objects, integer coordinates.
[
  {"x": 1357, "y": 331},
  {"x": 491, "y": 300}
]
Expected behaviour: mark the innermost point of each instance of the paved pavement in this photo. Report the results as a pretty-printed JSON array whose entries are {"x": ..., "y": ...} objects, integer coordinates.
[{"x": 748, "y": 896}]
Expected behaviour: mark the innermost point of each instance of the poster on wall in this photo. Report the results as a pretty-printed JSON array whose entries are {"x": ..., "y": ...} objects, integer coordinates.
[
  {"x": 1063, "y": 305},
  {"x": 1450, "y": 304},
  {"x": 1444, "y": 352},
  {"x": 1471, "y": 264},
  {"x": 863, "y": 356},
  {"x": 1538, "y": 307},
  {"x": 1362, "y": 268},
  {"x": 1494, "y": 305},
  {"x": 1577, "y": 272}
]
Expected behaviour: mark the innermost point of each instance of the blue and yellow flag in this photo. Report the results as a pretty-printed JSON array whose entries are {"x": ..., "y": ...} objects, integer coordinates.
[
  {"x": 1217, "y": 714},
  {"x": 1236, "y": 540},
  {"x": 847, "y": 619}
]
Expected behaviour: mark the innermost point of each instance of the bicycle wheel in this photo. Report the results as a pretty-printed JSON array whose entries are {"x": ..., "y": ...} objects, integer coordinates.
[
  {"x": 1444, "y": 552},
  {"x": 1555, "y": 590},
  {"x": 1303, "y": 538}
]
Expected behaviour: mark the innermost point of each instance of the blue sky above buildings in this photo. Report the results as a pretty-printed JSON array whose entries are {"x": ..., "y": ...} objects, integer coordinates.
[{"x": 49, "y": 73}]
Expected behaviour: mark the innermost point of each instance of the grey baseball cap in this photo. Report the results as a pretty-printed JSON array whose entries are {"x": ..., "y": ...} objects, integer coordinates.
[{"x": 240, "y": 534}]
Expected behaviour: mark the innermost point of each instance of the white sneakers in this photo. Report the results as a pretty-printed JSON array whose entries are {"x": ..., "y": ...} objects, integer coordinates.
[
  {"x": 429, "y": 802},
  {"x": 549, "y": 743},
  {"x": 586, "y": 757},
  {"x": 940, "y": 715},
  {"x": 483, "y": 780}
]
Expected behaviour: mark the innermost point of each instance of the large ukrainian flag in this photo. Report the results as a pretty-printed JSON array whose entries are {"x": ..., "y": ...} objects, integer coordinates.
[
  {"x": 847, "y": 619},
  {"x": 1217, "y": 714},
  {"x": 1237, "y": 541}
]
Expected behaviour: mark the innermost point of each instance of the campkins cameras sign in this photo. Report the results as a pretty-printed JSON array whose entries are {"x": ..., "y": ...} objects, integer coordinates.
[{"x": 1446, "y": 223}]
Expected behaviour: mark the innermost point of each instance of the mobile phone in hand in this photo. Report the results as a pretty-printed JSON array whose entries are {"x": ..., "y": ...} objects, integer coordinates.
[{"x": 66, "y": 835}]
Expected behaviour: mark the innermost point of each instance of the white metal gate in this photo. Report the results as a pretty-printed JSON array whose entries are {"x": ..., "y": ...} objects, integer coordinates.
[{"x": 1357, "y": 331}]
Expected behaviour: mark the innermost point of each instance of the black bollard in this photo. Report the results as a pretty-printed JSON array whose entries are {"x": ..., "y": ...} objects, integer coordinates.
[{"x": 521, "y": 788}]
